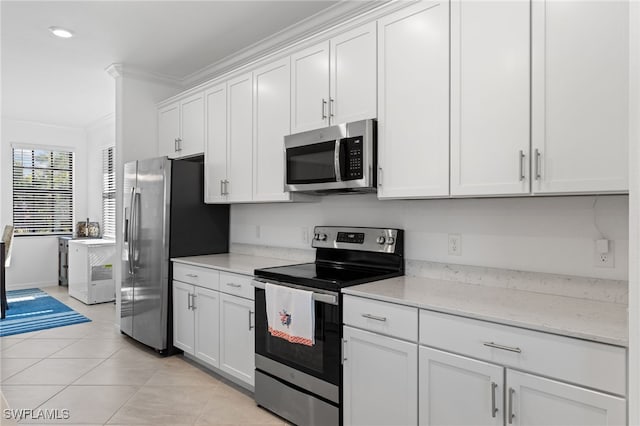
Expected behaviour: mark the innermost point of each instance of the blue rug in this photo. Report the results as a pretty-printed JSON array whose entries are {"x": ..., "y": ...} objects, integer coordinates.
[{"x": 33, "y": 309}]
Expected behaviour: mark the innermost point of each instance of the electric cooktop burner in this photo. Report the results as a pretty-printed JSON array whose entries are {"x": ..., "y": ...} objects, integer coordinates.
[{"x": 345, "y": 257}]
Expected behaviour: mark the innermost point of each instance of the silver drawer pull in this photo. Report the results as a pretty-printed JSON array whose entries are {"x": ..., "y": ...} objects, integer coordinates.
[
  {"x": 192, "y": 275},
  {"x": 374, "y": 317},
  {"x": 234, "y": 285},
  {"x": 504, "y": 348}
]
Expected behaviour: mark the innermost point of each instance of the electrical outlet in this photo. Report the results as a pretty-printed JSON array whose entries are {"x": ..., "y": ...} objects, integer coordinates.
[
  {"x": 305, "y": 235},
  {"x": 257, "y": 232},
  {"x": 455, "y": 245},
  {"x": 604, "y": 260}
]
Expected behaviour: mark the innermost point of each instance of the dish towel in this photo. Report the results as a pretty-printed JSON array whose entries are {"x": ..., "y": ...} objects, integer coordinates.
[{"x": 290, "y": 314}]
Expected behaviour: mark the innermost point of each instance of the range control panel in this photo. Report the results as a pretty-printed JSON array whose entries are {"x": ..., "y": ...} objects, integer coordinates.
[{"x": 382, "y": 240}]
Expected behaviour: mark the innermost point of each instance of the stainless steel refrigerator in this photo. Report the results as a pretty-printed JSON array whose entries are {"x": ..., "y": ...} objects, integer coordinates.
[{"x": 164, "y": 217}]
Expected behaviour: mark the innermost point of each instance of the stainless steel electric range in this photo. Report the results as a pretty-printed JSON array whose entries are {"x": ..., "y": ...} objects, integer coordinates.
[{"x": 303, "y": 384}]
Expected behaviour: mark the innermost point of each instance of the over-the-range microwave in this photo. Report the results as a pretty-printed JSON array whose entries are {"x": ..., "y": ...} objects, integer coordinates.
[{"x": 339, "y": 158}]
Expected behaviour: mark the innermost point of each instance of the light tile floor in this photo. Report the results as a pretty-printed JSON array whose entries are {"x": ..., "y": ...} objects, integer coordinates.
[{"x": 104, "y": 378}]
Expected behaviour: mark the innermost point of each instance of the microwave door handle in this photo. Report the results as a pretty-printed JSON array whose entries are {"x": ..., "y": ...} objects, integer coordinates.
[{"x": 336, "y": 161}]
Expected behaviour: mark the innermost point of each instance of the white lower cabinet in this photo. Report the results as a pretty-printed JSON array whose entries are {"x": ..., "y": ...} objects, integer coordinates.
[
  {"x": 195, "y": 322},
  {"x": 237, "y": 331},
  {"x": 456, "y": 390},
  {"x": 207, "y": 313},
  {"x": 380, "y": 379},
  {"x": 183, "y": 319},
  {"x": 534, "y": 400},
  {"x": 463, "y": 371}
]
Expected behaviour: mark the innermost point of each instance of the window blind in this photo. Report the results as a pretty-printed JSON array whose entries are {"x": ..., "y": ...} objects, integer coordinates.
[
  {"x": 108, "y": 193},
  {"x": 42, "y": 191}
]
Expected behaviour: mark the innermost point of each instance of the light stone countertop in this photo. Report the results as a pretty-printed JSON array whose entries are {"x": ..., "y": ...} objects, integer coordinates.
[
  {"x": 232, "y": 262},
  {"x": 568, "y": 316}
]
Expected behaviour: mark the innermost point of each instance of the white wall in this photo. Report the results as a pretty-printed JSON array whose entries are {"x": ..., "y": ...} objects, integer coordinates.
[
  {"x": 34, "y": 260},
  {"x": 554, "y": 235},
  {"x": 100, "y": 135}
]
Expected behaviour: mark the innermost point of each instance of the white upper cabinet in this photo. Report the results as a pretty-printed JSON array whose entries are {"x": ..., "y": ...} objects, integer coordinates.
[
  {"x": 490, "y": 86},
  {"x": 181, "y": 128},
  {"x": 413, "y": 95},
  {"x": 215, "y": 156},
  {"x": 239, "y": 185},
  {"x": 310, "y": 88},
  {"x": 580, "y": 92},
  {"x": 353, "y": 75},
  {"x": 271, "y": 122},
  {"x": 334, "y": 81}
]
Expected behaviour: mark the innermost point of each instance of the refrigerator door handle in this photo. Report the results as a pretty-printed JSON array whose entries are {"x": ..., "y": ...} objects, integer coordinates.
[
  {"x": 128, "y": 231},
  {"x": 135, "y": 231}
]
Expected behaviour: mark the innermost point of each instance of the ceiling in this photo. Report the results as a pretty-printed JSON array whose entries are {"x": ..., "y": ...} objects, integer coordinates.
[{"x": 50, "y": 80}]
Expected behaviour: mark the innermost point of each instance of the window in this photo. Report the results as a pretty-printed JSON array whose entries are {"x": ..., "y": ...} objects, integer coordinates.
[
  {"x": 108, "y": 194},
  {"x": 42, "y": 192}
]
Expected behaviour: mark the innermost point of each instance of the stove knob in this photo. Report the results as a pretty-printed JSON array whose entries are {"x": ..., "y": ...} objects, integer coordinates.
[
  {"x": 380, "y": 240},
  {"x": 316, "y": 237},
  {"x": 322, "y": 237},
  {"x": 391, "y": 240}
]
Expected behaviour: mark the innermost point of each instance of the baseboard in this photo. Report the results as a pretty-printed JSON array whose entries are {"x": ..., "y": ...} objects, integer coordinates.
[{"x": 30, "y": 285}]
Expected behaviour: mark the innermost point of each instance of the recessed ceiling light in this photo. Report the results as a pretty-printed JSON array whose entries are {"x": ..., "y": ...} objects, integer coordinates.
[{"x": 61, "y": 32}]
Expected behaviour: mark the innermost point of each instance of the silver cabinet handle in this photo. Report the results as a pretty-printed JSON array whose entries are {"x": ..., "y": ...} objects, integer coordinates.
[
  {"x": 226, "y": 187},
  {"x": 538, "y": 165},
  {"x": 331, "y": 107},
  {"x": 234, "y": 285},
  {"x": 511, "y": 415},
  {"x": 504, "y": 348},
  {"x": 344, "y": 350},
  {"x": 193, "y": 301},
  {"x": 494, "y": 409},
  {"x": 379, "y": 176},
  {"x": 192, "y": 275},
  {"x": 324, "y": 109},
  {"x": 221, "y": 187},
  {"x": 521, "y": 158},
  {"x": 189, "y": 304},
  {"x": 251, "y": 326},
  {"x": 374, "y": 317},
  {"x": 175, "y": 145}
]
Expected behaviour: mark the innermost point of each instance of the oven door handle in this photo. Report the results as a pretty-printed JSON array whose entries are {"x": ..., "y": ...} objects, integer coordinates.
[{"x": 331, "y": 299}]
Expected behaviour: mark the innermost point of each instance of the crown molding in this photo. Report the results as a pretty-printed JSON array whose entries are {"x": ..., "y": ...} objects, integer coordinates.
[
  {"x": 333, "y": 16},
  {"x": 119, "y": 70}
]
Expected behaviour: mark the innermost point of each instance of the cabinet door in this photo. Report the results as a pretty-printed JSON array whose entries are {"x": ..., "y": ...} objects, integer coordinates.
[
  {"x": 580, "y": 94},
  {"x": 310, "y": 88},
  {"x": 413, "y": 95},
  {"x": 237, "y": 331},
  {"x": 240, "y": 139},
  {"x": 192, "y": 121},
  {"x": 207, "y": 318},
  {"x": 533, "y": 400},
  {"x": 490, "y": 84},
  {"x": 169, "y": 130},
  {"x": 455, "y": 390},
  {"x": 215, "y": 154},
  {"x": 271, "y": 122},
  {"x": 353, "y": 75},
  {"x": 183, "y": 322},
  {"x": 380, "y": 379}
]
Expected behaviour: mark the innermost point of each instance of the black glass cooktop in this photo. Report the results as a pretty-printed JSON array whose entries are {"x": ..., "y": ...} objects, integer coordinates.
[{"x": 324, "y": 276}]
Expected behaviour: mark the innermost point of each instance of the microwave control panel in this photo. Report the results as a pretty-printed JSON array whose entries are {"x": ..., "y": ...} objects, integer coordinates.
[{"x": 353, "y": 166}]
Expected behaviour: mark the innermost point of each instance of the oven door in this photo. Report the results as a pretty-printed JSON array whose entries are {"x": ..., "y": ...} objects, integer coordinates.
[{"x": 322, "y": 360}]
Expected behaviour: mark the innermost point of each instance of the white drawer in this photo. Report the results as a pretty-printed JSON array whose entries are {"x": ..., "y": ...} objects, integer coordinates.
[
  {"x": 203, "y": 277},
  {"x": 236, "y": 284},
  {"x": 581, "y": 362},
  {"x": 381, "y": 317}
]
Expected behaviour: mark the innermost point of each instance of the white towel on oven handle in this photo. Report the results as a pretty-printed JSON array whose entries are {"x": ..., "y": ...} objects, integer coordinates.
[{"x": 290, "y": 313}]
